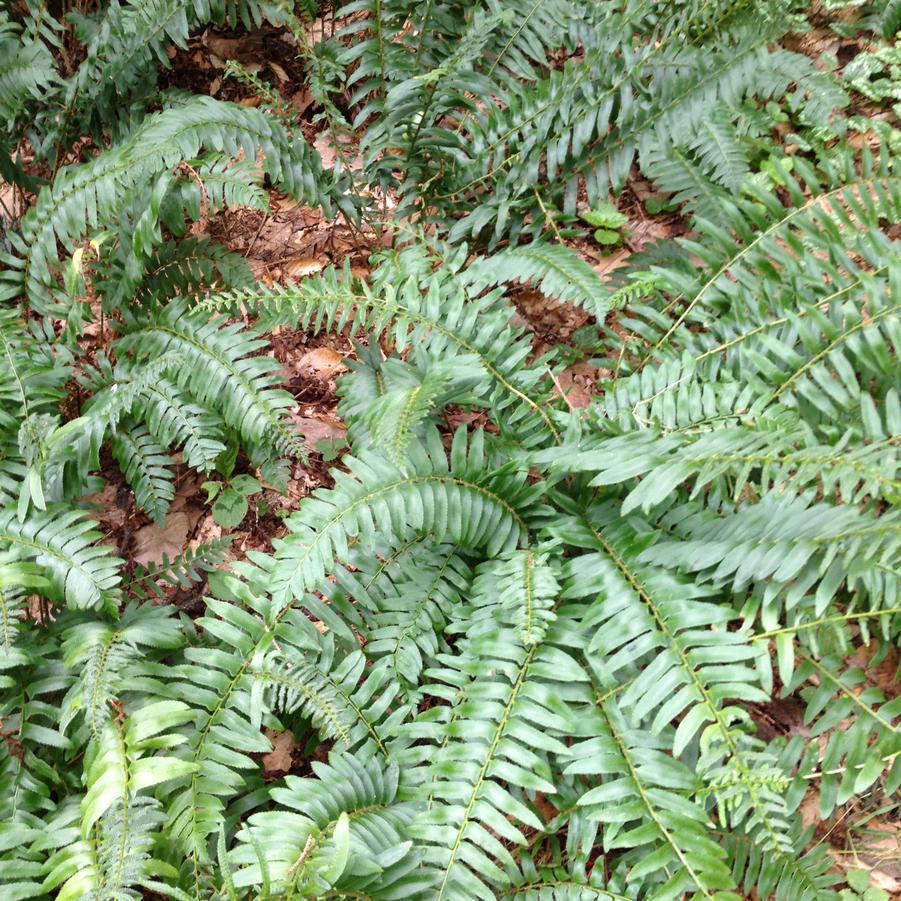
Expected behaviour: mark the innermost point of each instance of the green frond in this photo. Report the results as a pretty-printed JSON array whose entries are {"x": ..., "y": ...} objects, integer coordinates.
[
  {"x": 146, "y": 467},
  {"x": 856, "y": 756},
  {"x": 735, "y": 459},
  {"x": 555, "y": 269},
  {"x": 27, "y": 71},
  {"x": 102, "y": 653},
  {"x": 84, "y": 197},
  {"x": 174, "y": 420},
  {"x": 408, "y": 600},
  {"x": 345, "y": 701},
  {"x": 347, "y": 835},
  {"x": 644, "y": 805},
  {"x": 686, "y": 673},
  {"x": 521, "y": 587},
  {"x": 807, "y": 877},
  {"x": 62, "y": 542},
  {"x": 221, "y": 370},
  {"x": 406, "y": 403},
  {"x": 117, "y": 822},
  {"x": 460, "y": 498},
  {"x": 792, "y": 545},
  {"x": 190, "y": 268},
  {"x": 489, "y": 749},
  {"x": 15, "y": 577},
  {"x": 182, "y": 570},
  {"x": 439, "y": 316}
]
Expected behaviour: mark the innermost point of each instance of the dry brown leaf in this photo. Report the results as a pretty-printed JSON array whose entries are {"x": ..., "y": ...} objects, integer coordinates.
[
  {"x": 108, "y": 512},
  {"x": 151, "y": 542},
  {"x": 322, "y": 363},
  {"x": 302, "y": 100},
  {"x": 575, "y": 384},
  {"x": 316, "y": 430},
  {"x": 280, "y": 73},
  {"x": 300, "y": 267},
  {"x": 280, "y": 758}
]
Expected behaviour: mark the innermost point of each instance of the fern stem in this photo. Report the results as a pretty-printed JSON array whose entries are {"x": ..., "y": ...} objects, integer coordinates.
[{"x": 823, "y": 621}]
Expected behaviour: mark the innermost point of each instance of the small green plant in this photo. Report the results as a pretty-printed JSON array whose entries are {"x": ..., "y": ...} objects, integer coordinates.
[
  {"x": 859, "y": 888},
  {"x": 331, "y": 448},
  {"x": 229, "y": 499},
  {"x": 608, "y": 222}
]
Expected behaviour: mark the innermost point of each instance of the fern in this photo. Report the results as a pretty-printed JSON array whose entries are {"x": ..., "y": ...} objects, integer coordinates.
[
  {"x": 518, "y": 649},
  {"x": 62, "y": 542}
]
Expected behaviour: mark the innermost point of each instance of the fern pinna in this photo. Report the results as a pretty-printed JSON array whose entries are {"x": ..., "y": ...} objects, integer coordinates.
[{"x": 526, "y": 657}]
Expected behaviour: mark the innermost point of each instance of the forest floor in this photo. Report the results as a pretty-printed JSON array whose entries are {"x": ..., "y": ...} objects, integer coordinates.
[{"x": 290, "y": 242}]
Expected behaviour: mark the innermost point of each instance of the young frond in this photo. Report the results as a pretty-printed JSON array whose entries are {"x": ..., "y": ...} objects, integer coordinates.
[
  {"x": 102, "y": 653},
  {"x": 183, "y": 570},
  {"x": 117, "y": 821},
  {"x": 521, "y": 588},
  {"x": 348, "y": 835}
]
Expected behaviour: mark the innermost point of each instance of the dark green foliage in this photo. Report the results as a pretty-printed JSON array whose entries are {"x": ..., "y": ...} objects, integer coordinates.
[{"x": 524, "y": 656}]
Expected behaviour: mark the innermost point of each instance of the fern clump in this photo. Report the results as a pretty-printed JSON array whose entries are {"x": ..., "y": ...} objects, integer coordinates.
[{"x": 520, "y": 648}]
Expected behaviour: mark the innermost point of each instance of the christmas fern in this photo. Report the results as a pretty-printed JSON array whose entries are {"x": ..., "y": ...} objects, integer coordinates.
[{"x": 522, "y": 648}]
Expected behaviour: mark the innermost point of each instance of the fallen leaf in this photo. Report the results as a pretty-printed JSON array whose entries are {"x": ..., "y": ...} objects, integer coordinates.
[
  {"x": 109, "y": 512},
  {"x": 225, "y": 48},
  {"x": 280, "y": 73},
  {"x": 323, "y": 363},
  {"x": 574, "y": 383},
  {"x": 302, "y": 100},
  {"x": 280, "y": 758},
  {"x": 151, "y": 542},
  {"x": 316, "y": 430},
  {"x": 300, "y": 267}
]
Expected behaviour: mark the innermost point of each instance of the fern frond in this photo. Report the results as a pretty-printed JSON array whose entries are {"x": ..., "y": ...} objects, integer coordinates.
[
  {"x": 445, "y": 321},
  {"x": 431, "y": 495},
  {"x": 101, "y": 653},
  {"x": 221, "y": 370},
  {"x": 498, "y": 734},
  {"x": 87, "y": 196},
  {"x": 348, "y": 835},
  {"x": 146, "y": 468},
  {"x": 643, "y": 805},
  {"x": 116, "y": 821},
  {"x": 409, "y": 599},
  {"x": 174, "y": 420},
  {"x": 695, "y": 674},
  {"x": 26, "y": 73},
  {"x": 62, "y": 542},
  {"x": 867, "y": 750},
  {"x": 793, "y": 546},
  {"x": 524, "y": 588},
  {"x": 555, "y": 269},
  {"x": 182, "y": 570},
  {"x": 336, "y": 696}
]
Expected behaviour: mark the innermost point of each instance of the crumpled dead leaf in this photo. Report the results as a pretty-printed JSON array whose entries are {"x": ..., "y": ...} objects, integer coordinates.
[
  {"x": 300, "y": 267},
  {"x": 280, "y": 759},
  {"x": 151, "y": 542},
  {"x": 322, "y": 363},
  {"x": 320, "y": 429}
]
